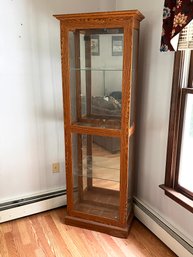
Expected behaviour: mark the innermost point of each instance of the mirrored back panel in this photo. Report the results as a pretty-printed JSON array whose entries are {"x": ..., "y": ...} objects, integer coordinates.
[
  {"x": 96, "y": 174},
  {"x": 96, "y": 62}
]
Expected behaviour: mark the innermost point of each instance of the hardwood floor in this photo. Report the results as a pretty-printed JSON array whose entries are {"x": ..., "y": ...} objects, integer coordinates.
[{"x": 46, "y": 235}]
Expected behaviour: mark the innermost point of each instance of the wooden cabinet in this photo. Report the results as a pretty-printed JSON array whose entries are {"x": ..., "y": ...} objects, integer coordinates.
[{"x": 99, "y": 63}]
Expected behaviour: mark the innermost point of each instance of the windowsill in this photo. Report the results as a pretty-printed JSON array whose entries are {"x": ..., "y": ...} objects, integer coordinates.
[{"x": 178, "y": 197}]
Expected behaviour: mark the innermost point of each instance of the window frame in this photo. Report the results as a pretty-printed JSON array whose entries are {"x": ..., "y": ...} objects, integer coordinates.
[
  {"x": 177, "y": 107},
  {"x": 185, "y": 92}
]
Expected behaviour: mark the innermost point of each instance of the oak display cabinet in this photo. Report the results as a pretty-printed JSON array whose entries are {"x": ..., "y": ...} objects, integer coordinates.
[{"x": 99, "y": 62}]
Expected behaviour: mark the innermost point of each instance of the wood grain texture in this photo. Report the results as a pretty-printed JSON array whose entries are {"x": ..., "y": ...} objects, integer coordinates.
[
  {"x": 126, "y": 86},
  {"x": 174, "y": 120},
  {"x": 46, "y": 235},
  {"x": 103, "y": 14},
  {"x": 97, "y": 20},
  {"x": 95, "y": 131}
]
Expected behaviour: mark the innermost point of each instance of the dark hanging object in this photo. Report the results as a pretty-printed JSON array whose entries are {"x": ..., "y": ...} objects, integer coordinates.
[{"x": 176, "y": 15}]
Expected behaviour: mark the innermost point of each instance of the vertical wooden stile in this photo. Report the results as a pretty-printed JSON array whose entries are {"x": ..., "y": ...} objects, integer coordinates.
[{"x": 78, "y": 112}]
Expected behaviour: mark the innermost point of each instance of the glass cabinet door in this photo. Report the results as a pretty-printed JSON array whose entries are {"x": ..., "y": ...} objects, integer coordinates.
[
  {"x": 96, "y": 175},
  {"x": 96, "y": 61}
]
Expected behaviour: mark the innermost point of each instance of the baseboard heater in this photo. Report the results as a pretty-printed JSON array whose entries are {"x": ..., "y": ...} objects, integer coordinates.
[
  {"x": 30, "y": 205},
  {"x": 30, "y": 200},
  {"x": 173, "y": 238}
]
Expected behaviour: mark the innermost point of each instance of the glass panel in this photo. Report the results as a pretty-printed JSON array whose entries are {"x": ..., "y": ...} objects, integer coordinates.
[
  {"x": 73, "y": 78},
  {"x": 186, "y": 160},
  {"x": 134, "y": 76},
  {"x": 131, "y": 174},
  {"x": 96, "y": 175},
  {"x": 102, "y": 123},
  {"x": 96, "y": 61}
]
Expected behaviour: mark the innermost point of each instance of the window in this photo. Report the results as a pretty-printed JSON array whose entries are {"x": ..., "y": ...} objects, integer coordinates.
[
  {"x": 186, "y": 37},
  {"x": 179, "y": 164}
]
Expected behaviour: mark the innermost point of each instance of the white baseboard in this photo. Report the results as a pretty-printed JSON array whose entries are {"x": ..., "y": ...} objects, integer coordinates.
[
  {"x": 180, "y": 245},
  {"x": 32, "y": 208}
]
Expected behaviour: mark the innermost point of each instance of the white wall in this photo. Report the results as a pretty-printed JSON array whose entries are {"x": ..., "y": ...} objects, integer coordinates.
[
  {"x": 31, "y": 127},
  {"x": 155, "y": 81}
]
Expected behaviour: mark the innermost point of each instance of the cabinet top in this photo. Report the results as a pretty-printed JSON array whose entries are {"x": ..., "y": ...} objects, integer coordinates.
[{"x": 105, "y": 15}]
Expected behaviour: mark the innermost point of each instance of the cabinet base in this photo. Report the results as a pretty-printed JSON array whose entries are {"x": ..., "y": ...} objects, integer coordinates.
[{"x": 100, "y": 227}]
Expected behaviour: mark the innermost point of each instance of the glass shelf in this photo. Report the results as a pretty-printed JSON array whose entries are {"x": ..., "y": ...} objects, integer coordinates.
[
  {"x": 106, "y": 177},
  {"x": 98, "y": 182},
  {"x": 103, "y": 167},
  {"x": 95, "y": 69},
  {"x": 103, "y": 123},
  {"x": 100, "y": 167}
]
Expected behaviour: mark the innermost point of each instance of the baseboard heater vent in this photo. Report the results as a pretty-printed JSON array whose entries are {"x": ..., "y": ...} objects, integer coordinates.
[
  {"x": 177, "y": 235},
  {"x": 30, "y": 200}
]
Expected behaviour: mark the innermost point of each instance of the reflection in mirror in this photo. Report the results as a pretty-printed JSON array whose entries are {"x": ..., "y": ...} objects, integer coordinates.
[
  {"x": 96, "y": 173},
  {"x": 96, "y": 61},
  {"x": 105, "y": 162}
]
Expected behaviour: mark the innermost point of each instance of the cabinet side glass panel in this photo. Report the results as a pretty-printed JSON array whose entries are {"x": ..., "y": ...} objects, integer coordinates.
[
  {"x": 134, "y": 77},
  {"x": 96, "y": 60},
  {"x": 96, "y": 175},
  {"x": 131, "y": 171},
  {"x": 73, "y": 78}
]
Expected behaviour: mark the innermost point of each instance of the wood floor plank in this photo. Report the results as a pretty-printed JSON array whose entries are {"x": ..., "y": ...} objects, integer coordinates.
[
  {"x": 30, "y": 250},
  {"x": 72, "y": 238},
  {"x": 46, "y": 235},
  {"x": 22, "y": 229},
  {"x": 3, "y": 248},
  {"x": 95, "y": 249},
  {"x": 17, "y": 237},
  {"x": 55, "y": 237},
  {"x": 109, "y": 245},
  {"x": 150, "y": 241},
  {"x": 10, "y": 245},
  {"x": 84, "y": 245},
  {"x": 39, "y": 238}
]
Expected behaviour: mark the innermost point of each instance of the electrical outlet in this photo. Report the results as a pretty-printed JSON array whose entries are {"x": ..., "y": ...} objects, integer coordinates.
[{"x": 55, "y": 167}]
